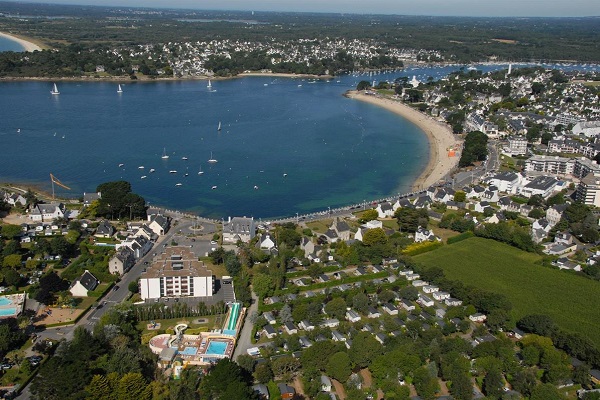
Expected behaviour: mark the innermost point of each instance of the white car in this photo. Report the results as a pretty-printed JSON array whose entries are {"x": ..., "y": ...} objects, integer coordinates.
[{"x": 213, "y": 242}]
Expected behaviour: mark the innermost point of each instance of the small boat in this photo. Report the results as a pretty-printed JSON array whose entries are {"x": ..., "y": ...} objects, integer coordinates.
[
  {"x": 173, "y": 171},
  {"x": 265, "y": 84},
  {"x": 119, "y": 90},
  {"x": 179, "y": 184},
  {"x": 219, "y": 127},
  {"x": 63, "y": 136},
  {"x": 184, "y": 158},
  {"x": 209, "y": 85},
  {"x": 186, "y": 174},
  {"x": 143, "y": 177},
  {"x": 120, "y": 165},
  {"x": 55, "y": 90},
  {"x": 255, "y": 187},
  {"x": 211, "y": 159},
  {"x": 18, "y": 130},
  {"x": 141, "y": 167},
  {"x": 200, "y": 172},
  {"x": 164, "y": 156},
  {"x": 300, "y": 85},
  {"x": 152, "y": 170},
  {"x": 54, "y": 133},
  {"x": 214, "y": 187}
]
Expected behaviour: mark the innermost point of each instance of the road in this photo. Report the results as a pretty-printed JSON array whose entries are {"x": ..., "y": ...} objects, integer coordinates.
[
  {"x": 244, "y": 341},
  {"x": 492, "y": 163}
]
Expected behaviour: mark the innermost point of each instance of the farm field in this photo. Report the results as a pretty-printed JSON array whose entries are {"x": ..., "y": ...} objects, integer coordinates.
[{"x": 573, "y": 302}]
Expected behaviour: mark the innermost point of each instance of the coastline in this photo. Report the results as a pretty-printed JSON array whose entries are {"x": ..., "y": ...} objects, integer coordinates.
[
  {"x": 27, "y": 45},
  {"x": 439, "y": 136}
]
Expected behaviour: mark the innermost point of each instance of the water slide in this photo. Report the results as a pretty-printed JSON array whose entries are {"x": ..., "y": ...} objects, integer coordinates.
[
  {"x": 233, "y": 316},
  {"x": 179, "y": 328}
]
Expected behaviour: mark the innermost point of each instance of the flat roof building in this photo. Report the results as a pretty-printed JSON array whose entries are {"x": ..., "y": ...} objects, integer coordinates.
[{"x": 176, "y": 273}]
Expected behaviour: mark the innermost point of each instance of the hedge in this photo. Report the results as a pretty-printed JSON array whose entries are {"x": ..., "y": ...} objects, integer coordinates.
[{"x": 460, "y": 238}]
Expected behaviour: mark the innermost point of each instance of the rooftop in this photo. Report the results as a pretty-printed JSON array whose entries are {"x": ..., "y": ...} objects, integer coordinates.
[{"x": 176, "y": 261}]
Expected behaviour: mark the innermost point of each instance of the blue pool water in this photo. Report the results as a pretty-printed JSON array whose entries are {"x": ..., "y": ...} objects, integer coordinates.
[
  {"x": 4, "y": 301},
  {"x": 216, "y": 348},
  {"x": 189, "y": 351},
  {"x": 5, "y": 312},
  {"x": 230, "y": 332}
]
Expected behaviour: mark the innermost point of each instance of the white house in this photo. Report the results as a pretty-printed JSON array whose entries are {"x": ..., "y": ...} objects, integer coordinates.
[
  {"x": 477, "y": 317},
  {"x": 266, "y": 242},
  {"x": 385, "y": 210},
  {"x": 47, "y": 212},
  {"x": 83, "y": 284},
  {"x": 423, "y": 234},
  {"x": 238, "y": 228},
  {"x": 352, "y": 316}
]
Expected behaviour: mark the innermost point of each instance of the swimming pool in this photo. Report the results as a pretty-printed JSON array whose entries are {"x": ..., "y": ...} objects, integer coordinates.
[
  {"x": 5, "y": 312},
  {"x": 215, "y": 347},
  {"x": 4, "y": 301},
  {"x": 189, "y": 351}
]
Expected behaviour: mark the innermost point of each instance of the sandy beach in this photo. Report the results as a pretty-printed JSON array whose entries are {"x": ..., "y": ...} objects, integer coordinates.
[
  {"x": 440, "y": 137},
  {"x": 29, "y": 46}
]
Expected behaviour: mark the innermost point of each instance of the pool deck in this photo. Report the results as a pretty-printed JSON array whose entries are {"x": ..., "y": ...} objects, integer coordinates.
[
  {"x": 17, "y": 302},
  {"x": 160, "y": 343}
]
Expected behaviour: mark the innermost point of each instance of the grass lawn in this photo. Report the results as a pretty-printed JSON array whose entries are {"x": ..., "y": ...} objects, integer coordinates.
[
  {"x": 211, "y": 323},
  {"x": 319, "y": 226},
  {"x": 572, "y": 301},
  {"x": 217, "y": 270},
  {"x": 390, "y": 224}
]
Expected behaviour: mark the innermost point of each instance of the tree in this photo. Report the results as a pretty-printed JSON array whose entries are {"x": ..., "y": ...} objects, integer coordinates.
[
  {"x": 285, "y": 315},
  {"x": 426, "y": 384},
  {"x": 132, "y": 386},
  {"x": 493, "y": 383},
  {"x": 246, "y": 362},
  {"x": 363, "y": 85},
  {"x": 314, "y": 270},
  {"x": 409, "y": 219},
  {"x": 12, "y": 261},
  {"x": 369, "y": 215},
  {"x": 336, "y": 308},
  {"x": 409, "y": 293},
  {"x": 220, "y": 376},
  {"x": 546, "y": 391},
  {"x": 474, "y": 148},
  {"x": 11, "y": 231},
  {"x": 360, "y": 302},
  {"x": 373, "y": 237},
  {"x": 460, "y": 196},
  {"x": 364, "y": 349},
  {"x": 284, "y": 365},
  {"x": 133, "y": 287},
  {"x": 263, "y": 372},
  {"x": 263, "y": 285},
  {"x": 525, "y": 381},
  {"x": 339, "y": 367}
]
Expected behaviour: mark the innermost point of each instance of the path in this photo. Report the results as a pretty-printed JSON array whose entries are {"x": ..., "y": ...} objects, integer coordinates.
[{"x": 244, "y": 341}]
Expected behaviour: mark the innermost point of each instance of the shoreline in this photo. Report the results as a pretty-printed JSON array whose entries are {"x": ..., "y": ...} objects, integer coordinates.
[
  {"x": 439, "y": 136},
  {"x": 27, "y": 45}
]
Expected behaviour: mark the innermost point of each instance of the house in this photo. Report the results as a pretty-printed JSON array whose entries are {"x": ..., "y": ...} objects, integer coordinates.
[
  {"x": 554, "y": 214},
  {"x": 452, "y": 302},
  {"x": 266, "y": 242},
  {"x": 419, "y": 283},
  {"x": 412, "y": 277},
  {"x": 287, "y": 392},
  {"x": 15, "y": 198},
  {"x": 390, "y": 309},
  {"x": 269, "y": 331},
  {"x": 365, "y": 227},
  {"x": 47, "y": 212},
  {"x": 121, "y": 261},
  {"x": 352, "y": 316},
  {"x": 159, "y": 224},
  {"x": 337, "y": 336},
  {"x": 308, "y": 246},
  {"x": 323, "y": 278},
  {"x": 425, "y": 301},
  {"x": 89, "y": 198},
  {"x": 430, "y": 289},
  {"x": 86, "y": 282},
  {"x": 407, "y": 305},
  {"x": 290, "y": 328},
  {"x": 341, "y": 228},
  {"x": 330, "y": 236},
  {"x": 262, "y": 391},
  {"x": 304, "y": 342},
  {"x": 440, "y": 312},
  {"x": 440, "y": 296},
  {"x": 360, "y": 271},
  {"x": 563, "y": 238},
  {"x": 565, "y": 263},
  {"x": 269, "y": 317},
  {"x": 385, "y": 210},
  {"x": 557, "y": 249},
  {"x": 506, "y": 181},
  {"x": 238, "y": 228},
  {"x": 104, "y": 229},
  {"x": 372, "y": 312},
  {"x": 424, "y": 234},
  {"x": 330, "y": 323},
  {"x": 380, "y": 337},
  {"x": 478, "y": 317},
  {"x": 306, "y": 325},
  {"x": 542, "y": 185},
  {"x": 325, "y": 384},
  {"x": 138, "y": 245}
]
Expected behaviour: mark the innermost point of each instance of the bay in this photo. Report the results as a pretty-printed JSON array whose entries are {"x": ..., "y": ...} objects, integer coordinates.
[
  {"x": 286, "y": 146},
  {"x": 10, "y": 45}
]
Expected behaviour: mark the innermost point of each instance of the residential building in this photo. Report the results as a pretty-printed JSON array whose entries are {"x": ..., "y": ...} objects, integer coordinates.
[
  {"x": 517, "y": 145},
  {"x": 238, "y": 228},
  {"x": 176, "y": 273},
  {"x": 550, "y": 164},
  {"x": 542, "y": 185},
  {"x": 47, "y": 212},
  {"x": 82, "y": 285},
  {"x": 121, "y": 261},
  {"x": 588, "y": 191}
]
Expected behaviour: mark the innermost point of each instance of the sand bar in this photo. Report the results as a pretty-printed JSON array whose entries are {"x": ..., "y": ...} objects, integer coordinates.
[
  {"x": 28, "y": 46},
  {"x": 440, "y": 137}
]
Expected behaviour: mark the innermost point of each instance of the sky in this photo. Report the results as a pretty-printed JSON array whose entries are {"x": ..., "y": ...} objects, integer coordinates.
[{"x": 492, "y": 8}]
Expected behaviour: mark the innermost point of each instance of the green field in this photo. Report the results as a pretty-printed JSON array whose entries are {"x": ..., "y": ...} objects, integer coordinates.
[{"x": 572, "y": 301}]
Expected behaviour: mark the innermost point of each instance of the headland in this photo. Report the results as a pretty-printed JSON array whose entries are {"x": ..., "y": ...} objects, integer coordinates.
[{"x": 440, "y": 137}]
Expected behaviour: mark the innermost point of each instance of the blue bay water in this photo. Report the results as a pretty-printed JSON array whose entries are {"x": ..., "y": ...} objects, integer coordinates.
[
  {"x": 286, "y": 146},
  {"x": 10, "y": 45}
]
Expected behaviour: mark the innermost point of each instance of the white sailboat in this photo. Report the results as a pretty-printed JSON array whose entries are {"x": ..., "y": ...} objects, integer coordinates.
[
  {"x": 209, "y": 85},
  {"x": 119, "y": 90},
  {"x": 200, "y": 172},
  {"x": 219, "y": 127},
  {"x": 211, "y": 159},
  {"x": 164, "y": 156},
  {"x": 55, "y": 90}
]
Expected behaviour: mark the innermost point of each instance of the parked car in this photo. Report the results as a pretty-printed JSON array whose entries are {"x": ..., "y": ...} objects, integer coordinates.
[{"x": 115, "y": 288}]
